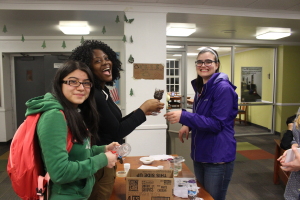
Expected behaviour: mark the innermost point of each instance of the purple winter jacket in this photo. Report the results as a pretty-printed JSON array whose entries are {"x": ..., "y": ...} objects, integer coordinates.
[{"x": 212, "y": 121}]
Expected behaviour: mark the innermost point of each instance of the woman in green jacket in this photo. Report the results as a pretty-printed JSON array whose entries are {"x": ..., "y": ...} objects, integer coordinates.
[{"x": 72, "y": 173}]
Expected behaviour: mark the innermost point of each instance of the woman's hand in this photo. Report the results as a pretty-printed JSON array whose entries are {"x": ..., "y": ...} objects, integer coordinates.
[
  {"x": 173, "y": 117},
  {"x": 111, "y": 146},
  {"x": 111, "y": 159},
  {"x": 281, "y": 159},
  {"x": 151, "y": 105},
  {"x": 293, "y": 165},
  {"x": 184, "y": 130}
]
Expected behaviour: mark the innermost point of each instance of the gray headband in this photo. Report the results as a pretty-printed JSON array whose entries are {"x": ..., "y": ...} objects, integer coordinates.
[{"x": 210, "y": 50}]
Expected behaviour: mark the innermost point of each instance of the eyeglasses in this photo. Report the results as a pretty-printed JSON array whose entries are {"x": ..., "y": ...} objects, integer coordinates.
[
  {"x": 207, "y": 63},
  {"x": 76, "y": 83}
]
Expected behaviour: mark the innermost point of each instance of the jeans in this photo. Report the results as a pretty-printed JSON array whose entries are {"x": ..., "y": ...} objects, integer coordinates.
[{"x": 215, "y": 178}]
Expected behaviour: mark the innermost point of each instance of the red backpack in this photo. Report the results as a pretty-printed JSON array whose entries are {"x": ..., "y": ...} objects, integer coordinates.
[{"x": 25, "y": 163}]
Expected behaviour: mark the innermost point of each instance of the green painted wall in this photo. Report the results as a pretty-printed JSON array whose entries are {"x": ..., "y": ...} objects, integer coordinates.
[{"x": 288, "y": 90}]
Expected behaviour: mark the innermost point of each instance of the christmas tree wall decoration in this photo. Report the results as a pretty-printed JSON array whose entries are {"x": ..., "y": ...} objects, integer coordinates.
[
  {"x": 103, "y": 30},
  {"x": 117, "y": 19},
  {"x": 44, "y": 45},
  {"x": 125, "y": 18},
  {"x": 4, "y": 29},
  {"x": 124, "y": 38},
  {"x": 131, "y": 59},
  {"x": 64, "y": 44},
  {"x": 23, "y": 39},
  {"x": 130, "y": 20},
  {"x": 82, "y": 40},
  {"x": 131, "y": 92},
  {"x": 131, "y": 40}
]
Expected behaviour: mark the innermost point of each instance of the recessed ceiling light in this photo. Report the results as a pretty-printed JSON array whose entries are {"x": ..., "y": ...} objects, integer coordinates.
[
  {"x": 272, "y": 36},
  {"x": 174, "y": 47},
  {"x": 177, "y": 55},
  {"x": 74, "y": 27},
  {"x": 208, "y": 47},
  {"x": 192, "y": 54},
  {"x": 272, "y": 33},
  {"x": 180, "y": 29}
]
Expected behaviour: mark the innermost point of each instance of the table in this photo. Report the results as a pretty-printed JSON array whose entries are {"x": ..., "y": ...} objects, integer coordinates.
[
  {"x": 175, "y": 102},
  {"x": 119, "y": 192},
  {"x": 279, "y": 174}
]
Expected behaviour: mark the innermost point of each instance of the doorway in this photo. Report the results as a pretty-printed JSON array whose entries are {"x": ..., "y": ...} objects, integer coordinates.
[{"x": 33, "y": 77}]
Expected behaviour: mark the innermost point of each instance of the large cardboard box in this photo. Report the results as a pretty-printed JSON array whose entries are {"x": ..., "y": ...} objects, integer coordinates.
[{"x": 149, "y": 184}]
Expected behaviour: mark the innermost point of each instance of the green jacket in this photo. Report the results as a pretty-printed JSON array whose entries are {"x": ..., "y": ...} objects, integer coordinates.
[{"x": 72, "y": 174}]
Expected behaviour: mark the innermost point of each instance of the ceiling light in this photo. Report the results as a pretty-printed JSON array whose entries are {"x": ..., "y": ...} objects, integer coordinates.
[
  {"x": 74, "y": 27},
  {"x": 272, "y": 36},
  {"x": 177, "y": 55},
  {"x": 215, "y": 48},
  {"x": 272, "y": 33},
  {"x": 171, "y": 59},
  {"x": 180, "y": 29},
  {"x": 192, "y": 54},
  {"x": 174, "y": 47}
]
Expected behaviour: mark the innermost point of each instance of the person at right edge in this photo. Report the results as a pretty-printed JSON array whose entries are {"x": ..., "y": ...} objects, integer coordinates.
[
  {"x": 215, "y": 107},
  {"x": 291, "y": 191},
  {"x": 106, "y": 67}
]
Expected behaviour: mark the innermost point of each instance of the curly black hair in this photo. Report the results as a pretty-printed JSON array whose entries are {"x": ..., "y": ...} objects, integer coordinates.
[{"x": 84, "y": 53}]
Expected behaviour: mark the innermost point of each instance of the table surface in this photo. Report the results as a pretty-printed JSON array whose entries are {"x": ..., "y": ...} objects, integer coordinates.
[{"x": 119, "y": 192}]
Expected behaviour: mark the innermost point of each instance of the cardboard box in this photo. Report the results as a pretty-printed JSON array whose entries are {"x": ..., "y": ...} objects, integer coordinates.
[{"x": 149, "y": 184}]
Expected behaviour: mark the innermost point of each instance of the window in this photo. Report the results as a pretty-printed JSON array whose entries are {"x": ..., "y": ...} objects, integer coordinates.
[{"x": 173, "y": 74}]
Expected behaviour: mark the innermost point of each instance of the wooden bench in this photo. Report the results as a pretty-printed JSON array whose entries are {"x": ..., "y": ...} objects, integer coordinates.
[{"x": 279, "y": 174}]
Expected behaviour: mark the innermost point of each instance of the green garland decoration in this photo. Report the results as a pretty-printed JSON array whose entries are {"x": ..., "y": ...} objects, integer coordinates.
[
  {"x": 131, "y": 59},
  {"x": 131, "y": 40},
  {"x": 117, "y": 19},
  {"x": 124, "y": 38},
  {"x": 44, "y": 45},
  {"x": 4, "y": 29},
  {"x": 64, "y": 45},
  {"x": 23, "y": 39},
  {"x": 131, "y": 92},
  {"x": 103, "y": 30},
  {"x": 82, "y": 40}
]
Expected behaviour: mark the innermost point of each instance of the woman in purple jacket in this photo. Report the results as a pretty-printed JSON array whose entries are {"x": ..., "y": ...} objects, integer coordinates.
[{"x": 215, "y": 107}]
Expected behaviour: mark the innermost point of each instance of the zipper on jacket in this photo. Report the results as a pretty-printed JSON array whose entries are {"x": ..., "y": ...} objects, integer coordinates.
[{"x": 195, "y": 109}]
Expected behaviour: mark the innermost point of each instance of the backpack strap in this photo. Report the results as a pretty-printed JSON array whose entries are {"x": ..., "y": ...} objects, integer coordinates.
[{"x": 43, "y": 181}]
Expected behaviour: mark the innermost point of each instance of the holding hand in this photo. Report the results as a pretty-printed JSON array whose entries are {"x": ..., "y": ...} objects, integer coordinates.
[
  {"x": 173, "y": 117},
  {"x": 151, "y": 105},
  {"x": 293, "y": 165},
  {"x": 111, "y": 146},
  {"x": 111, "y": 159}
]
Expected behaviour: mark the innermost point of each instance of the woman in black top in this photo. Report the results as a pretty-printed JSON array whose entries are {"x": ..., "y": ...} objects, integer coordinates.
[{"x": 106, "y": 68}]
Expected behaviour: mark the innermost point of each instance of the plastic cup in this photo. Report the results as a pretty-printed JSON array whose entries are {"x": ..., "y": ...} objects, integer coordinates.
[
  {"x": 174, "y": 166},
  {"x": 126, "y": 167}
]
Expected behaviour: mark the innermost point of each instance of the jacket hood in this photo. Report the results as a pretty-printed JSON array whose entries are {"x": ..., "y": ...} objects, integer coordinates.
[
  {"x": 214, "y": 79},
  {"x": 42, "y": 104}
]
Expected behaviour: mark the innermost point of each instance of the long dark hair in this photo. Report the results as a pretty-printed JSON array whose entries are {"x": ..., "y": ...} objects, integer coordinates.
[
  {"x": 199, "y": 80},
  {"x": 84, "y": 53},
  {"x": 76, "y": 123}
]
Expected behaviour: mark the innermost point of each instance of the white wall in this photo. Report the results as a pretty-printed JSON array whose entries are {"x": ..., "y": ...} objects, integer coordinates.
[{"x": 149, "y": 46}]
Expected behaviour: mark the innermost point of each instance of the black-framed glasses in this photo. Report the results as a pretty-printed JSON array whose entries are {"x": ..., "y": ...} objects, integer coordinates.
[
  {"x": 207, "y": 62},
  {"x": 75, "y": 83}
]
